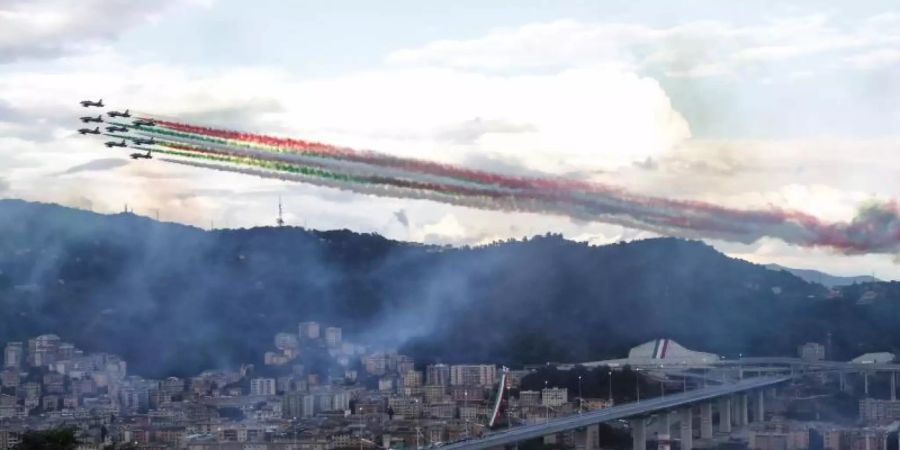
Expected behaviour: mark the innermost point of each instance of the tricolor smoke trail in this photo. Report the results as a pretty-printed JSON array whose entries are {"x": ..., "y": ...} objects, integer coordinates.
[{"x": 876, "y": 229}]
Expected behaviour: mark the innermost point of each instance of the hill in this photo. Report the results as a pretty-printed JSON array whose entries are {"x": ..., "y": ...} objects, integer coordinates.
[
  {"x": 825, "y": 279},
  {"x": 173, "y": 299}
]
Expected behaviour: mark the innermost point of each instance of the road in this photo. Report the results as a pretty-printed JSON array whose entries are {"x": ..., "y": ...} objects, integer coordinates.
[{"x": 644, "y": 407}]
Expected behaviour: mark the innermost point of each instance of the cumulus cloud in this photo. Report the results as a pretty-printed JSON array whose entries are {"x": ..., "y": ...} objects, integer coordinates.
[
  {"x": 471, "y": 131},
  {"x": 49, "y": 28},
  {"x": 876, "y": 58},
  {"x": 694, "y": 49}
]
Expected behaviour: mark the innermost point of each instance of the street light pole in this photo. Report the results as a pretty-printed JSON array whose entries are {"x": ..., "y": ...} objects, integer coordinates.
[
  {"x": 580, "y": 396},
  {"x": 546, "y": 402},
  {"x": 466, "y": 407},
  {"x": 610, "y": 388}
]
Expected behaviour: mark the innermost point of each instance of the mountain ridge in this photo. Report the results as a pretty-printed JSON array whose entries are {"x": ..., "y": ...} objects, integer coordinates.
[{"x": 175, "y": 299}]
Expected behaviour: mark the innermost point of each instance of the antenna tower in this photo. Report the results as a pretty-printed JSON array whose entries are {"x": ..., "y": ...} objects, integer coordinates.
[{"x": 280, "y": 220}]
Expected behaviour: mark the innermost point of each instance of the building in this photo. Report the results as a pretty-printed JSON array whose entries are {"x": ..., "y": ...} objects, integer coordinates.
[
  {"x": 874, "y": 358},
  {"x": 811, "y": 351},
  {"x": 873, "y": 410},
  {"x": 412, "y": 379},
  {"x": 375, "y": 364},
  {"x": 333, "y": 337},
  {"x": 554, "y": 397},
  {"x": 437, "y": 374},
  {"x": 13, "y": 355},
  {"x": 42, "y": 350},
  {"x": 778, "y": 440},
  {"x": 669, "y": 350},
  {"x": 434, "y": 394},
  {"x": 529, "y": 398},
  {"x": 262, "y": 386},
  {"x": 286, "y": 342},
  {"x": 473, "y": 375},
  {"x": 835, "y": 440},
  {"x": 309, "y": 330}
]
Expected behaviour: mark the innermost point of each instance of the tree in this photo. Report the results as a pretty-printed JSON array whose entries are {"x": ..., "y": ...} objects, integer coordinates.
[{"x": 53, "y": 439}]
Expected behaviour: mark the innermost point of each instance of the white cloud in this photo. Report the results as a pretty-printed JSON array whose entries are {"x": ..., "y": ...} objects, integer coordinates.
[
  {"x": 875, "y": 59},
  {"x": 694, "y": 49},
  {"x": 48, "y": 28}
]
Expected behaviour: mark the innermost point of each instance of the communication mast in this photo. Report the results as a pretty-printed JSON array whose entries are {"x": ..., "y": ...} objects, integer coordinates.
[{"x": 280, "y": 220}]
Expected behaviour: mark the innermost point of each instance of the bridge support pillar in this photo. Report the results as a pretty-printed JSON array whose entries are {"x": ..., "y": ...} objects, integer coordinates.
[
  {"x": 759, "y": 412},
  {"x": 893, "y": 386},
  {"x": 745, "y": 409},
  {"x": 706, "y": 422},
  {"x": 725, "y": 415},
  {"x": 592, "y": 437},
  {"x": 638, "y": 434},
  {"x": 667, "y": 422},
  {"x": 866, "y": 382},
  {"x": 742, "y": 413},
  {"x": 687, "y": 429}
]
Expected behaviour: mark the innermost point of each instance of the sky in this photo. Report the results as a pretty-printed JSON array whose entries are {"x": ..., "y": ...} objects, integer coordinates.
[{"x": 791, "y": 105}]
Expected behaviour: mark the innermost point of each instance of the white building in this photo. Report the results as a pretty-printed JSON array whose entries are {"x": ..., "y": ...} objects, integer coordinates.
[
  {"x": 262, "y": 386},
  {"x": 874, "y": 358},
  {"x": 309, "y": 330},
  {"x": 333, "y": 337},
  {"x": 286, "y": 341},
  {"x": 437, "y": 374},
  {"x": 529, "y": 398},
  {"x": 13, "y": 355},
  {"x": 473, "y": 375},
  {"x": 554, "y": 397},
  {"x": 811, "y": 351}
]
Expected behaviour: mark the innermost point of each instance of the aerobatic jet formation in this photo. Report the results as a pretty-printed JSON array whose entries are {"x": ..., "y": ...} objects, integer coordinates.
[
  {"x": 87, "y": 103},
  {"x": 142, "y": 141},
  {"x": 142, "y": 155},
  {"x": 86, "y": 119},
  {"x": 116, "y": 128},
  {"x": 89, "y": 131},
  {"x": 111, "y": 144},
  {"x": 144, "y": 122},
  {"x": 118, "y": 114}
]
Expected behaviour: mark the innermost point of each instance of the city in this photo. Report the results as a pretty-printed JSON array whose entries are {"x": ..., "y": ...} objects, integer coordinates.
[
  {"x": 449, "y": 225},
  {"x": 360, "y": 398}
]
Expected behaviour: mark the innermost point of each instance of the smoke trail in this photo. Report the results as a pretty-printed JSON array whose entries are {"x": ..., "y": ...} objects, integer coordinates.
[{"x": 876, "y": 229}]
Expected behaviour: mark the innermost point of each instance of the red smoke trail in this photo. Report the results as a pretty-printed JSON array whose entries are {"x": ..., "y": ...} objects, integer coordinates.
[
  {"x": 875, "y": 229},
  {"x": 384, "y": 160}
]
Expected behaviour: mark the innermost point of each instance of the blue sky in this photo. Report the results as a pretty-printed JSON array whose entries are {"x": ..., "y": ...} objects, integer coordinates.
[{"x": 745, "y": 104}]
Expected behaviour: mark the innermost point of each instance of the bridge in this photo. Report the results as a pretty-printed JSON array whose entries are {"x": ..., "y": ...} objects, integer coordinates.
[{"x": 729, "y": 397}]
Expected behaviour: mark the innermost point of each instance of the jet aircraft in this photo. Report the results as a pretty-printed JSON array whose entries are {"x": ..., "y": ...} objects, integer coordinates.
[
  {"x": 89, "y": 131},
  {"x": 86, "y": 119},
  {"x": 141, "y": 122},
  {"x": 118, "y": 114},
  {"x": 87, "y": 103},
  {"x": 116, "y": 128},
  {"x": 111, "y": 144},
  {"x": 142, "y": 141},
  {"x": 142, "y": 155}
]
